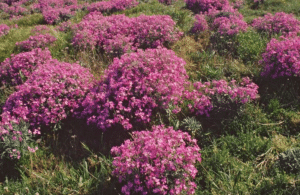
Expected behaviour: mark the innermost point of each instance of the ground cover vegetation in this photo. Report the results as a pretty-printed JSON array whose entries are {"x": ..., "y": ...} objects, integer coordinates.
[{"x": 149, "y": 97}]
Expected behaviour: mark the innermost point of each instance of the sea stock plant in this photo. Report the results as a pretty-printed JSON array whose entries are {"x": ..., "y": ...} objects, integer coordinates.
[
  {"x": 134, "y": 88},
  {"x": 220, "y": 97},
  {"x": 161, "y": 161},
  {"x": 52, "y": 93},
  {"x": 280, "y": 22},
  {"x": 4, "y": 29},
  {"x": 36, "y": 41},
  {"x": 17, "y": 144},
  {"x": 203, "y": 6},
  {"x": 118, "y": 34},
  {"x": 16, "y": 69},
  {"x": 281, "y": 58},
  {"x": 112, "y": 6}
]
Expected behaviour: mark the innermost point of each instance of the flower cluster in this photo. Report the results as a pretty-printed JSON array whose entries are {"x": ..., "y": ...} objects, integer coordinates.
[
  {"x": 118, "y": 34},
  {"x": 277, "y": 23},
  {"x": 52, "y": 92},
  {"x": 227, "y": 21},
  {"x": 200, "y": 24},
  {"x": 282, "y": 58},
  {"x": 4, "y": 29},
  {"x": 112, "y": 5},
  {"x": 55, "y": 11},
  {"x": 167, "y": 2},
  {"x": 202, "y": 6},
  {"x": 161, "y": 161},
  {"x": 17, "y": 68},
  {"x": 37, "y": 41},
  {"x": 217, "y": 95},
  {"x": 134, "y": 87}
]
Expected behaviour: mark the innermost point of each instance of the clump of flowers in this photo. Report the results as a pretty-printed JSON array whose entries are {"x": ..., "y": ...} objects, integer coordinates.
[
  {"x": 17, "y": 68},
  {"x": 161, "y": 161},
  {"x": 56, "y": 11},
  {"x": 118, "y": 34},
  {"x": 134, "y": 87},
  {"x": 277, "y": 23},
  {"x": 167, "y": 2},
  {"x": 52, "y": 93},
  {"x": 36, "y": 41},
  {"x": 227, "y": 21},
  {"x": 282, "y": 58},
  {"x": 219, "y": 96},
  {"x": 112, "y": 5},
  {"x": 200, "y": 24},
  {"x": 202, "y": 6},
  {"x": 4, "y": 29}
]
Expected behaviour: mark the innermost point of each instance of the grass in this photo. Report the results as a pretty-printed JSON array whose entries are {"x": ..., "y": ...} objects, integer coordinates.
[{"x": 239, "y": 153}]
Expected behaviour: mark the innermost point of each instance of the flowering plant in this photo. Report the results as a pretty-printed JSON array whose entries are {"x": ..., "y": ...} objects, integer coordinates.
[
  {"x": 118, "y": 34},
  {"x": 4, "y": 29},
  {"x": 52, "y": 92},
  {"x": 167, "y": 2},
  {"x": 161, "y": 161},
  {"x": 282, "y": 58},
  {"x": 220, "y": 95},
  {"x": 112, "y": 5},
  {"x": 17, "y": 68},
  {"x": 200, "y": 24},
  {"x": 278, "y": 23},
  {"x": 134, "y": 87},
  {"x": 36, "y": 41},
  {"x": 202, "y": 6}
]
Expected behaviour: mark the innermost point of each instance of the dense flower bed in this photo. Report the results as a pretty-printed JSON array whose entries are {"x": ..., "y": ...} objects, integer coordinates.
[
  {"x": 282, "y": 58},
  {"x": 36, "y": 41},
  {"x": 220, "y": 95},
  {"x": 112, "y": 5},
  {"x": 202, "y": 6},
  {"x": 118, "y": 34},
  {"x": 4, "y": 29},
  {"x": 277, "y": 23},
  {"x": 52, "y": 92},
  {"x": 134, "y": 87},
  {"x": 17, "y": 68},
  {"x": 161, "y": 161}
]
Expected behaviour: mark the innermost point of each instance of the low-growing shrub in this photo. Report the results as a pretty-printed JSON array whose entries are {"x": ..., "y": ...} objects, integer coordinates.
[
  {"x": 52, "y": 93},
  {"x": 227, "y": 21},
  {"x": 17, "y": 68},
  {"x": 14, "y": 145},
  {"x": 161, "y": 161},
  {"x": 200, "y": 24},
  {"x": 36, "y": 41},
  {"x": 282, "y": 58},
  {"x": 4, "y": 29},
  {"x": 220, "y": 97},
  {"x": 112, "y": 5},
  {"x": 202, "y": 6},
  {"x": 134, "y": 88},
  {"x": 118, "y": 34},
  {"x": 278, "y": 23}
]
